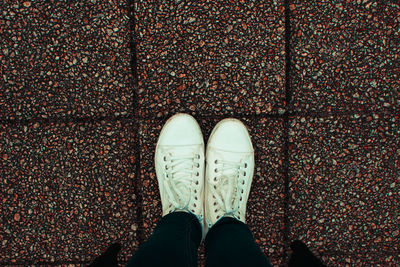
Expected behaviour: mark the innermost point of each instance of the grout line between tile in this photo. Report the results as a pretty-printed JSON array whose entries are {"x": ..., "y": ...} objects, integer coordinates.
[
  {"x": 137, "y": 181},
  {"x": 285, "y": 149},
  {"x": 134, "y": 116},
  {"x": 288, "y": 89},
  {"x": 44, "y": 263},
  {"x": 325, "y": 254}
]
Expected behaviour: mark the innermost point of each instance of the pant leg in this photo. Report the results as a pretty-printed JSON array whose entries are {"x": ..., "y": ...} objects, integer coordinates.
[
  {"x": 174, "y": 242},
  {"x": 230, "y": 243}
]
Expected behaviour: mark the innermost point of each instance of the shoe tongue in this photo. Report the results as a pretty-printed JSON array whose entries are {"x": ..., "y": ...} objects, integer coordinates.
[
  {"x": 180, "y": 192},
  {"x": 228, "y": 184}
]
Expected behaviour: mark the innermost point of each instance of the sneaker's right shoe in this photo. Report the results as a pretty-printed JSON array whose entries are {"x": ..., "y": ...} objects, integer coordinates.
[{"x": 229, "y": 172}]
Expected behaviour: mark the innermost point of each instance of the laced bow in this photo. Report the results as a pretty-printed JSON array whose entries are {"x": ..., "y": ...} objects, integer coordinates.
[
  {"x": 177, "y": 180},
  {"x": 228, "y": 196}
]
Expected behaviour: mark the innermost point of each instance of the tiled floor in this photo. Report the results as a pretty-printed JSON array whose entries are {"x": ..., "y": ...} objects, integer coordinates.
[
  {"x": 86, "y": 87},
  {"x": 210, "y": 57},
  {"x": 344, "y": 177}
]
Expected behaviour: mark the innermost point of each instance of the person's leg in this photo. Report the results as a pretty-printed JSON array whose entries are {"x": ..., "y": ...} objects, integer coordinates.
[
  {"x": 229, "y": 175},
  {"x": 174, "y": 242},
  {"x": 179, "y": 163},
  {"x": 230, "y": 243}
]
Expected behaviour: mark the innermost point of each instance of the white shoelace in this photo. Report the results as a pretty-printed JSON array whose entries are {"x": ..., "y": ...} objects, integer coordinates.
[
  {"x": 228, "y": 199},
  {"x": 178, "y": 179}
]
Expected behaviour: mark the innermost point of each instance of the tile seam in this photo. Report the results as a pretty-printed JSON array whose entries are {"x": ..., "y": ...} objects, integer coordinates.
[
  {"x": 285, "y": 135},
  {"x": 133, "y": 116},
  {"x": 325, "y": 254},
  {"x": 137, "y": 182}
]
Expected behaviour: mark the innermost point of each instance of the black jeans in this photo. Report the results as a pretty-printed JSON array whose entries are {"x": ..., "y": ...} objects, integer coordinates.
[{"x": 177, "y": 237}]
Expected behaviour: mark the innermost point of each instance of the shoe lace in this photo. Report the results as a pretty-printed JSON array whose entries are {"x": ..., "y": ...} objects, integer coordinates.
[
  {"x": 225, "y": 189},
  {"x": 177, "y": 180}
]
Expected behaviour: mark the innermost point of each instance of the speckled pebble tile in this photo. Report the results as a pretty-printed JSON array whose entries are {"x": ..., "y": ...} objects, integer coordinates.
[
  {"x": 60, "y": 59},
  {"x": 67, "y": 191},
  {"x": 344, "y": 183},
  {"x": 345, "y": 56},
  {"x": 210, "y": 57},
  {"x": 265, "y": 205},
  {"x": 366, "y": 259}
]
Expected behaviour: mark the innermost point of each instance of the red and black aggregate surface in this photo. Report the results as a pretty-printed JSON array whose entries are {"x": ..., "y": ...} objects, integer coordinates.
[
  {"x": 345, "y": 55},
  {"x": 66, "y": 190},
  {"x": 86, "y": 87},
  {"x": 344, "y": 196},
  {"x": 61, "y": 59},
  {"x": 210, "y": 57}
]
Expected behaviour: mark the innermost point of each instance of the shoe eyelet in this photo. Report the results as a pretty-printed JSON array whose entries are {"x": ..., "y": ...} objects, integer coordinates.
[
  {"x": 244, "y": 173},
  {"x": 245, "y": 165},
  {"x": 242, "y": 191},
  {"x": 214, "y": 186},
  {"x": 165, "y": 158},
  {"x": 197, "y": 174},
  {"x": 215, "y": 203},
  {"x": 197, "y": 182},
  {"x": 195, "y": 191},
  {"x": 198, "y": 156},
  {"x": 195, "y": 197},
  {"x": 243, "y": 182},
  {"x": 194, "y": 204},
  {"x": 218, "y": 217},
  {"x": 215, "y": 162},
  {"x": 241, "y": 198},
  {"x": 198, "y": 165},
  {"x": 215, "y": 170},
  {"x": 215, "y": 210},
  {"x": 215, "y": 179}
]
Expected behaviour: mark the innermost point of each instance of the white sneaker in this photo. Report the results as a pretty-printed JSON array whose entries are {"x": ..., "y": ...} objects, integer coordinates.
[
  {"x": 229, "y": 172},
  {"x": 179, "y": 162}
]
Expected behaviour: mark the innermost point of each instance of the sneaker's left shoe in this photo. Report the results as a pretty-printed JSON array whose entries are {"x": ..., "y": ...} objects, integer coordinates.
[{"x": 179, "y": 162}]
